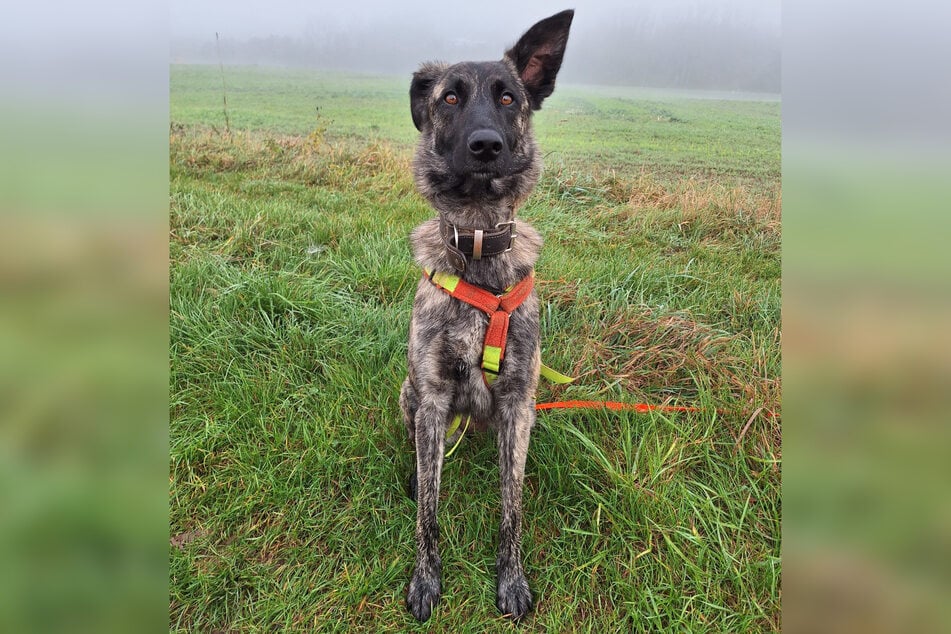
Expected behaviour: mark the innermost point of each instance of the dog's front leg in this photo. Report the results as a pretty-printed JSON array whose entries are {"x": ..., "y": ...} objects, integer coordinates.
[
  {"x": 425, "y": 586},
  {"x": 514, "y": 599}
]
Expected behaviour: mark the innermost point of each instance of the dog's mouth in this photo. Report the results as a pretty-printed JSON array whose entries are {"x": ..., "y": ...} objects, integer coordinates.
[
  {"x": 485, "y": 181},
  {"x": 470, "y": 169},
  {"x": 489, "y": 171}
]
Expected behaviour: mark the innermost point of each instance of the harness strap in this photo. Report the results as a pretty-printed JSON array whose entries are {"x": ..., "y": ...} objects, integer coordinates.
[{"x": 497, "y": 307}]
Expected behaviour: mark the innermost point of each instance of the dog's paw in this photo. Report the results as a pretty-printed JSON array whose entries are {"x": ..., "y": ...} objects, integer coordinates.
[
  {"x": 514, "y": 599},
  {"x": 412, "y": 486},
  {"x": 422, "y": 596}
]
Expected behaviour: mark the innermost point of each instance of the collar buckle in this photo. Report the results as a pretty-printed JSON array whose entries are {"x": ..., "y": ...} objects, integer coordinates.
[{"x": 513, "y": 235}]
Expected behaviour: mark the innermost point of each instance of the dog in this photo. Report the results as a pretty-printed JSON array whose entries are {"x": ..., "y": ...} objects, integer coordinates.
[{"x": 476, "y": 162}]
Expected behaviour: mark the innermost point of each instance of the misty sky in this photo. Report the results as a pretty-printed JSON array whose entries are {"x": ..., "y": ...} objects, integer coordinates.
[
  {"x": 732, "y": 44},
  {"x": 245, "y": 18}
]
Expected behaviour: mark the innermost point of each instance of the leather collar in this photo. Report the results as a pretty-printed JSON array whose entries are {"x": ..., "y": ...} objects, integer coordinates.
[{"x": 463, "y": 244}]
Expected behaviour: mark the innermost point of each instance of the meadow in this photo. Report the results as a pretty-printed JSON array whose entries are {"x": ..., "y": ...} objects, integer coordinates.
[{"x": 291, "y": 286}]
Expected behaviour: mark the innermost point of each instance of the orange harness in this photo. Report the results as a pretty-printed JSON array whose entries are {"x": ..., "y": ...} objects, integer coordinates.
[{"x": 498, "y": 307}]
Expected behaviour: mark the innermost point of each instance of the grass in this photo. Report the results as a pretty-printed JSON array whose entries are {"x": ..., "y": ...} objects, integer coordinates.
[{"x": 291, "y": 291}]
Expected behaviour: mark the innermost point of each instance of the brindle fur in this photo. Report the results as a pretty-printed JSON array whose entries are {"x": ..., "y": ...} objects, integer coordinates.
[{"x": 477, "y": 190}]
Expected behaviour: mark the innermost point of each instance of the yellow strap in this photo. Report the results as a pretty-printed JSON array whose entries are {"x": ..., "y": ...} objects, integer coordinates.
[
  {"x": 491, "y": 358},
  {"x": 554, "y": 376},
  {"x": 446, "y": 280},
  {"x": 453, "y": 426}
]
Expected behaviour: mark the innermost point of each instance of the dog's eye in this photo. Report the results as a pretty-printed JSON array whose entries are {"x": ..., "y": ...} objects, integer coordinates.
[
  {"x": 506, "y": 99},
  {"x": 451, "y": 98}
]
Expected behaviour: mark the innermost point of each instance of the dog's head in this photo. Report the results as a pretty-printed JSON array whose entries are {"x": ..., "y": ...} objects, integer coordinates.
[{"x": 476, "y": 141}]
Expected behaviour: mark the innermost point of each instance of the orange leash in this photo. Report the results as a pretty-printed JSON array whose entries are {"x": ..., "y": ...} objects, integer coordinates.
[{"x": 616, "y": 406}]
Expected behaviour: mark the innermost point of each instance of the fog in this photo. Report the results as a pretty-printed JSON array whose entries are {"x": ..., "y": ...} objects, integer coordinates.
[{"x": 691, "y": 44}]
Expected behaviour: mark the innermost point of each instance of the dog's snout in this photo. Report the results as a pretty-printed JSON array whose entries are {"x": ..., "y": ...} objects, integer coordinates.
[{"x": 485, "y": 144}]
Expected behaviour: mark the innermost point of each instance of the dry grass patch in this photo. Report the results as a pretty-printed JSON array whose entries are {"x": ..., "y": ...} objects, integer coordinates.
[
  {"x": 309, "y": 159},
  {"x": 646, "y": 353},
  {"x": 673, "y": 359},
  {"x": 714, "y": 203}
]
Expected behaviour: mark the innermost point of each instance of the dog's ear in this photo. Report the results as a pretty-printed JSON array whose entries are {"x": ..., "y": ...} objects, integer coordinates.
[
  {"x": 537, "y": 55},
  {"x": 419, "y": 91}
]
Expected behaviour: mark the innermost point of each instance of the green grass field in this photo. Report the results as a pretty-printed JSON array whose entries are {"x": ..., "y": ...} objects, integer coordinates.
[{"x": 291, "y": 290}]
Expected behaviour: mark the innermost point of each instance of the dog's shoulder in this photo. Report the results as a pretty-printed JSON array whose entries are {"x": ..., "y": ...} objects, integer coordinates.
[{"x": 429, "y": 252}]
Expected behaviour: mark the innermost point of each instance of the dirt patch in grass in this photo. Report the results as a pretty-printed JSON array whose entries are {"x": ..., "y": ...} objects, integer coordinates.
[{"x": 181, "y": 540}]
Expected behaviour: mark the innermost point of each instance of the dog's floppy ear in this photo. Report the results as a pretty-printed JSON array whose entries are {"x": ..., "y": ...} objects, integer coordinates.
[
  {"x": 419, "y": 90},
  {"x": 537, "y": 55}
]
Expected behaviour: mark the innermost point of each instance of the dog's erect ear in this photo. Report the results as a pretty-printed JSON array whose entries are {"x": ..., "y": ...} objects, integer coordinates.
[
  {"x": 538, "y": 54},
  {"x": 419, "y": 90}
]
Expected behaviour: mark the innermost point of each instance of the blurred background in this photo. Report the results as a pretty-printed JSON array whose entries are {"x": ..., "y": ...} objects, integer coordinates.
[
  {"x": 866, "y": 303},
  {"x": 83, "y": 274},
  {"x": 83, "y": 317}
]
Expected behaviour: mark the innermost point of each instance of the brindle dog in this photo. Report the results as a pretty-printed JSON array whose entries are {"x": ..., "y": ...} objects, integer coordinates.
[{"x": 476, "y": 162}]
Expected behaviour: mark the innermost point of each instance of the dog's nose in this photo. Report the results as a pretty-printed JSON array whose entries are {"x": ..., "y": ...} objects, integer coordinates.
[{"x": 485, "y": 144}]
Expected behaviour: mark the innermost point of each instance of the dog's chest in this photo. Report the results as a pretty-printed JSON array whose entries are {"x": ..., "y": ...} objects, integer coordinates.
[
  {"x": 458, "y": 338},
  {"x": 445, "y": 349}
]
